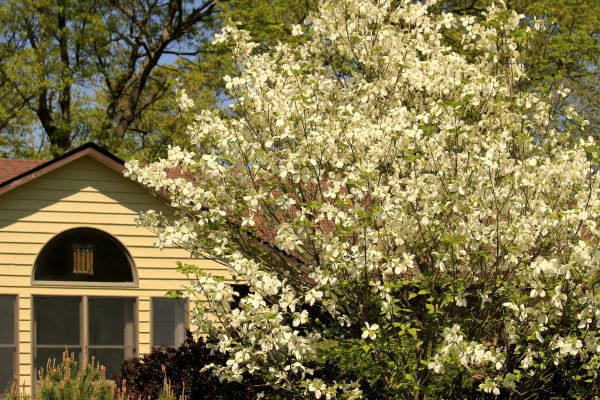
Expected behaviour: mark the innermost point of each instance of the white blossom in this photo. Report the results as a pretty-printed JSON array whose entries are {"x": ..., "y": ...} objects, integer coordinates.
[{"x": 372, "y": 173}]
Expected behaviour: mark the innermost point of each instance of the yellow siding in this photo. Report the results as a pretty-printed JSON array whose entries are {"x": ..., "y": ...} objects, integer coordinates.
[{"x": 83, "y": 193}]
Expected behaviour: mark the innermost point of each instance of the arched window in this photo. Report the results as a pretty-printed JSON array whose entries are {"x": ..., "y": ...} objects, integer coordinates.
[{"x": 84, "y": 255}]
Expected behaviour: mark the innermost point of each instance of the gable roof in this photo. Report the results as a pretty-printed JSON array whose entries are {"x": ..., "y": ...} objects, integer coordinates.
[{"x": 19, "y": 172}]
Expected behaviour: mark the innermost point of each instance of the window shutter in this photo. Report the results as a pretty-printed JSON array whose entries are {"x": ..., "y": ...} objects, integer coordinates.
[{"x": 83, "y": 259}]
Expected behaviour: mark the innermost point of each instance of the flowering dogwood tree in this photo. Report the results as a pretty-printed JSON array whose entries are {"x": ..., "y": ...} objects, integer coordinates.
[{"x": 398, "y": 208}]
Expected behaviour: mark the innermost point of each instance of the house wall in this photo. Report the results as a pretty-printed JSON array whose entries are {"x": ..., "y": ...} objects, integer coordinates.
[{"x": 83, "y": 193}]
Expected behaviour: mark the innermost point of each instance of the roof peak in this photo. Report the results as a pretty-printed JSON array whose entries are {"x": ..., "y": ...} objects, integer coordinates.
[{"x": 16, "y": 172}]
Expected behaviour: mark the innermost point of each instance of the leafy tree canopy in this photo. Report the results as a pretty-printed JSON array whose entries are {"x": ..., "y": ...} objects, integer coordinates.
[{"x": 74, "y": 71}]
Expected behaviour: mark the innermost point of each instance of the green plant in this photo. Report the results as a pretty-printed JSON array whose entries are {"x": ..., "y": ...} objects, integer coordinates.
[
  {"x": 15, "y": 394},
  {"x": 168, "y": 393},
  {"x": 68, "y": 381}
]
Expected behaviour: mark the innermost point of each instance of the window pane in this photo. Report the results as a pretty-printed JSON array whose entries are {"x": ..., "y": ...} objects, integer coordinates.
[
  {"x": 43, "y": 355},
  {"x": 111, "y": 328},
  {"x": 57, "y": 320},
  {"x": 168, "y": 322},
  {"x": 111, "y": 321},
  {"x": 111, "y": 359},
  {"x": 7, "y": 321},
  {"x": 7, "y": 368}
]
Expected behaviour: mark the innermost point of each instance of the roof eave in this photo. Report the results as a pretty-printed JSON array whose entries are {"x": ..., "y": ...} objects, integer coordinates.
[{"x": 89, "y": 149}]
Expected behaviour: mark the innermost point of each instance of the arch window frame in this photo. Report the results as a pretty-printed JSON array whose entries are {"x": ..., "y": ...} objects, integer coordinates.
[{"x": 134, "y": 283}]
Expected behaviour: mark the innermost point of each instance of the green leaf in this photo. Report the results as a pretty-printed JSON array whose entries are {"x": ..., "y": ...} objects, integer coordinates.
[
  {"x": 413, "y": 332},
  {"x": 174, "y": 294}
]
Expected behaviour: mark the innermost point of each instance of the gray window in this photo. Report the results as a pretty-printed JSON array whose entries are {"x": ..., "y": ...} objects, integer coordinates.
[
  {"x": 169, "y": 321},
  {"x": 57, "y": 322},
  {"x": 8, "y": 342},
  {"x": 111, "y": 332},
  {"x": 104, "y": 326}
]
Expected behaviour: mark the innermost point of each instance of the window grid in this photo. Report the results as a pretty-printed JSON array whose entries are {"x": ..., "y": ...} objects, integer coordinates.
[{"x": 83, "y": 348}]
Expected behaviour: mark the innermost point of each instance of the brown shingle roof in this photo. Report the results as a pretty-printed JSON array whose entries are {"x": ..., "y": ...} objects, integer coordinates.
[{"x": 11, "y": 167}]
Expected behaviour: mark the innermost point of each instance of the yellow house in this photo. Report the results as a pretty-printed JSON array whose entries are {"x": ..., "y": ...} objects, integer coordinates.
[{"x": 76, "y": 272}]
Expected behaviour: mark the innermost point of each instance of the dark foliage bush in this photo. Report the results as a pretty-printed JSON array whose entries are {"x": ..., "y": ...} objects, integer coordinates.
[{"x": 143, "y": 377}]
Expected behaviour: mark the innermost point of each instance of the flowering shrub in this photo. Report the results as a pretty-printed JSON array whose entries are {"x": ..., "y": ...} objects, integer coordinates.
[{"x": 398, "y": 208}]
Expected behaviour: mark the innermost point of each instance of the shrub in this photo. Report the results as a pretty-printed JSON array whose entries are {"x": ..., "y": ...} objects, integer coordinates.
[
  {"x": 67, "y": 381},
  {"x": 183, "y": 369}
]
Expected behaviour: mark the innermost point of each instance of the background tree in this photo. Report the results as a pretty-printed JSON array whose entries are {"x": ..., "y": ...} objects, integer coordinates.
[
  {"x": 202, "y": 75},
  {"x": 73, "y": 71},
  {"x": 58, "y": 54}
]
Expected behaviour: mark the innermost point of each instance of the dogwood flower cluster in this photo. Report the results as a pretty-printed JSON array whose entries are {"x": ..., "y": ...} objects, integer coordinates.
[{"x": 374, "y": 187}]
